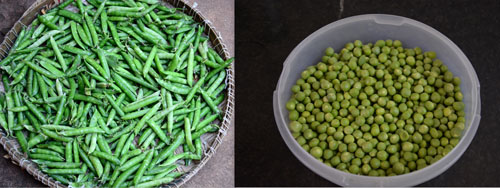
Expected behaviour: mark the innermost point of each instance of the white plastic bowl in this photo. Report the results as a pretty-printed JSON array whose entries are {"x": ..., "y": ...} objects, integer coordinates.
[{"x": 369, "y": 28}]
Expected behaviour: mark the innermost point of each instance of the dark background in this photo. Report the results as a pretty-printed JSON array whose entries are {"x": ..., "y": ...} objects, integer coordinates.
[
  {"x": 267, "y": 31},
  {"x": 10, "y": 174}
]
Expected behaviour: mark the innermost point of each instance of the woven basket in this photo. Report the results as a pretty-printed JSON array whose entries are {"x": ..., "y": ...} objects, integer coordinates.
[{"x": 210, "y": 141}]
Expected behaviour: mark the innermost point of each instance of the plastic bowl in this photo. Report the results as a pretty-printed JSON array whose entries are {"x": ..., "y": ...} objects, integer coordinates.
[{"x": 369, "y": 28}]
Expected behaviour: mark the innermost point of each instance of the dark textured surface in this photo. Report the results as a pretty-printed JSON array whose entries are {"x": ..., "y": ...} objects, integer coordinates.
[
  {"x": 266, "y": 32},
  {"x": 10, "y": 12},
  {"x": 11, "y": 175},
  {"x": 219, "y": 170}
]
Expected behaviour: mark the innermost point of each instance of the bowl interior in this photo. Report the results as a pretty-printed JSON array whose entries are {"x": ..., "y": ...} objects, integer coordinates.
[{"x": 370, "y": 28}]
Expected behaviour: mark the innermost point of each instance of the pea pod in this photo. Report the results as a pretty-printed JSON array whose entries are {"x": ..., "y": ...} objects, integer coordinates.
[
  {"x": 60, "y": 109},
  {"x": 51, "y": 164},
  {"x": 3, "y": 122},
  {"x": 106, "y": 156},
  {"x": 169, "y": 150},
  {"x": 20, "y": 76},
  {"x": 149, "y": 60},
  {"x": 81, "y": 131},
  {"x": 22, "y": 140},
  {"x": 71, "y": 15},
  {"x": 43, "y": 71},
  {"x": 47, "y": 23},
  {"x": 142, "y": 168},
  {"x": 79, "y": 121},
  {"x": 35, "y": 111},
  {"x": 158, "y": 131},
  {"x": 44, "y": 38},
  {"x": 146, "y": 117},
  {"x": 92, "y": 29},
  {"x": 47, "y": 157},
  {"x": 153, "y": 98},
  {"x": 187, "y": 131},
  {"x": 36, "y": 140},
  {"x": 123, "y": 86}
]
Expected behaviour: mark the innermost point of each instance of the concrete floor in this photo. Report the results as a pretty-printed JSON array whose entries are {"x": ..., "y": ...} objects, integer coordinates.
[{"x": 218, "y": 172}]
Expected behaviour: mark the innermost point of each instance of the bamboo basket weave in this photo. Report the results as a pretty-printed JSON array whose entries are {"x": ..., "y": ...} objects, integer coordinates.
[{"x": 210, "y": 141}]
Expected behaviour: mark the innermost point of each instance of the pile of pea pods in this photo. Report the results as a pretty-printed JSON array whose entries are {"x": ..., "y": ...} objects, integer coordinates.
[
  {"x": 377, "y": 109},
  {"x": 105, "y": 95}
]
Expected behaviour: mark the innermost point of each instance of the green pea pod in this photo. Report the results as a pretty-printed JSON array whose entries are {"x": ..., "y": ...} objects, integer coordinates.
[
  {"x": 125, "y": 130},
  {"x": 106, "y": 156},
  {"x": 146, "y": 117},
  {"x": 64, "y": 171},
  {"x": 195, "y": 89},
  {"x": 220, "y": 68},
  {"x": 22, "y": 140},
  {"x": 46, "y": 157},
  {"x": 92, "y": 29},
  {"x": 43, "y": 71},
  {"x": 119, "y": 181},
  {"x": 76, "y": 154},
  {"x": 51, "y": 164},
  {"x": 143, "y": 167},
  {"x": 158, "y": 132},
  {"x": 85, "y": 158},
  {"x": 65, "y": 4},
  {"x": 171, "y": 87},
  {"x": 20, "y": 38},
  {"x": 60, "y": 109},
  {"x": 129, "y": 76},
  {"x": 124, "y": 86},
  {"x": 56, "y": 127},
  {"x": 20, "y": 76},
  {"x": 190, "y": 67},
  {"x": 169, "y": 150},
  {"x": 114, "y": 105},
  {"x": 136, "y": 114},
  {"x": 145, "y": 134},
  {"x": 96, "y": 66},
  {"x": 149, "y": 60},
  {"x": 153, "y": 98},
  {"x": 3, "y": 121},
  {"x": 47, "y": 23},
  {"x": 132, "y": 162},
  {"x": 120, "y": 144},
  {"x": 44, "y": 38},
  {"x": 71, "y": 15},
  {"x": 43, "y": 151},
  {"x": 97, "y": 165},
  {"x": 160, "y": 170},
  {"x": 89, "y": 99},
  {"x": 81, "y": 131},
  {"x": 80, "y": 6},
  {"x": 209, "y": 128},
  {"x": 35, "y": 111},
  {"x": 171, "y": 160},
  {"x": 99, "y": 10},
  {"x": 55, "y": 136},
  {"x": 69, "y": 152},
  {"x": 127, "y": 144},
  {"x": 103, "y": 144},
  {"x": 187, "y": 131}
]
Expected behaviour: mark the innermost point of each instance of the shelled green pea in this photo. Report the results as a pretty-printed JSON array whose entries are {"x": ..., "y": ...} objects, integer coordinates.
[{"x": 377, "y": 109}]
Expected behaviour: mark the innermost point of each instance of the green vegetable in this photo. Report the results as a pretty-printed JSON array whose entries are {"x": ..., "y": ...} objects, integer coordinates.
[
  {"x": 80, "y": 88},
  {"x": 377, "y": 109}
]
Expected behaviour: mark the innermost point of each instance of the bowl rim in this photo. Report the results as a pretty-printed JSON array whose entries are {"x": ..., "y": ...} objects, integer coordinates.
[{"x": 313, "y": 164}]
